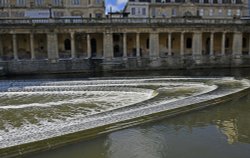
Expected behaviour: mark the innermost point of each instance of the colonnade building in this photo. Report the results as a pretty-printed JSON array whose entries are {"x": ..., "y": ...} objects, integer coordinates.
[{"x": 75, "y": 43}]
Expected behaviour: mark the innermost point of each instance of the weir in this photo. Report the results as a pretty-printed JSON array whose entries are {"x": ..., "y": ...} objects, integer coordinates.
[{"x": 39, "y": 115}]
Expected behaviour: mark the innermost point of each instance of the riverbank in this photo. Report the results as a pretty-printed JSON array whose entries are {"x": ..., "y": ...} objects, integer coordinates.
[{"x": 33, "y": 67}]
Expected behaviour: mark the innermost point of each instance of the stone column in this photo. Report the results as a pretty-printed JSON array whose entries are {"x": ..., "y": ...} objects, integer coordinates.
[
  {"x": 88, "y": 46},
  {"x": 52, "y": 45},
  {"x": 211, "y": 44},
  {"x": 14, "y": 47},
  {"x": 154, "y": 45},
  {"x": 223, "y": 43},
  {"x": 125, "y": 55},
  {"x": 108, "y": 45},
  {"x": 197, "y": 43},
  {"x": 138, "y": 55},
  {"x": 170, "y": 43},
  {"x": 182, "y": 44},
  {"x": 237, "y": 43},
  {"x": 249, "y": 44},
  {"x": 73, "y": 48},
  {"x": 32, "y": 51}
]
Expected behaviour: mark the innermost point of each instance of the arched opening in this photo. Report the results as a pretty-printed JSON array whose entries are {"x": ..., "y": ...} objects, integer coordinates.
[
  {"x": 93, "y": 47},
  {"x": 67, "y": 44},
  {"x": 207, "y": 46},
  {"x": 189, "y": 43},
  {"x": 244, "y": 42},
  {"x": 227, "y": 43},
  {"x": 147, "y": 43},
  {"x": 117, "y": 52}
]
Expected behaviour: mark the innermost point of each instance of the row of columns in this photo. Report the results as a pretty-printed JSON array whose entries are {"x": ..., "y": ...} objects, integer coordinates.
[{"x": 52, "y": 44}]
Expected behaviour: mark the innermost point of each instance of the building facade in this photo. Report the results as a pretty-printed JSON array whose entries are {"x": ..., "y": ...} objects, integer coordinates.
[
  {"x": 51, "y": 8},
  {"x": 219, "y": 9},
  {"x": 36, "y": 46},
  {"x": 74, "y": 43}
]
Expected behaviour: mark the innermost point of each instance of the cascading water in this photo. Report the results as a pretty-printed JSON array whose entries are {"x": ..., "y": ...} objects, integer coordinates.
[{"x": 36, "y": 110}]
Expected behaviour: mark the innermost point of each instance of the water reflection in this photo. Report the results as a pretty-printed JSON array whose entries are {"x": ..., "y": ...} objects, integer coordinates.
[
  {"x": 231, "y": 119},
  {"x": 220, "y": 131},
  {"x": 139, "y": 142}
]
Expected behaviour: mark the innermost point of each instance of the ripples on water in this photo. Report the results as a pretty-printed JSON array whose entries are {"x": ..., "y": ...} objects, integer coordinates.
[
  {"x": 220, "y": 131},
  {"x": 27, "y": 106}
]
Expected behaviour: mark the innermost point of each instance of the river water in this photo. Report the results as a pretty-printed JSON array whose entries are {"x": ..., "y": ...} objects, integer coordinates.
[
  {"x": 219, "y": 131},
  {"x": 222, "y": 131}
]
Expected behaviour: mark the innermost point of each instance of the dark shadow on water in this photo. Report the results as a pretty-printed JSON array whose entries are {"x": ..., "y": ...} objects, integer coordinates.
[{"x": 238, "y": 73}]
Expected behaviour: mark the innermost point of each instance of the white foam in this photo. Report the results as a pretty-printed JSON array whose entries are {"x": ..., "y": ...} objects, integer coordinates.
[{"x": 118, "y": 95}]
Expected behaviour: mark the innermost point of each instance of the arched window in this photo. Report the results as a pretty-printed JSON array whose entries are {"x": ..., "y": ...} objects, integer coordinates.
[{"x": 67, "y": 44}]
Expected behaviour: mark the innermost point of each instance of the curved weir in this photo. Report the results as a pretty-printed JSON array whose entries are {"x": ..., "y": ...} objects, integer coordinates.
[{"x": 43, "y": 114}]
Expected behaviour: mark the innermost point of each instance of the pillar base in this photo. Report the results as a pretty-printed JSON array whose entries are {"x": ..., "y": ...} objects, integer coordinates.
[
  {"x": 53, "y": 61},
  {"x": 125, "y": 58},
  {"x": 237, "y": 56}
]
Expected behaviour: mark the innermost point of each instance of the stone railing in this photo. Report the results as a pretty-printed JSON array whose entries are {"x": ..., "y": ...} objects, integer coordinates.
[{"x": 123, "y": 21}]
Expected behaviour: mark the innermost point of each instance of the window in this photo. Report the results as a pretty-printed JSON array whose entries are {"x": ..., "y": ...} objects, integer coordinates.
[
  {"x": 98, "y": 1},
  {"x": 58, "y": 14},
  {"x": 174, "y": 12},
  {"x": 189, "y": 43},
  {"x": 133, "y": 11},
  {"x": 229, "y": 12},
  {"x": 20, "y": 2},
  {"x": 144, "y": 11},
  {"x": 98, "y": 15},
  {"x": 238, "y": 2},
  {"x": 238, "y": 12},
  {"x": 211, "y": 12},
  {"x": 201, "y": 12},
  {"x": 39, "y": 2},
  {"x": 3, "y": 2},
  {"x": 17, "y": 14},
  {"x": 56, "y": 2},
  {"x": 75, "y": 2},
  {"x": 153, "y": 12},
  {"x": 4, "y": 14},
  {"x": 220, "y": 12},
  {"x": 206, "y": 1},
  {"x": 215, "y": 1}
]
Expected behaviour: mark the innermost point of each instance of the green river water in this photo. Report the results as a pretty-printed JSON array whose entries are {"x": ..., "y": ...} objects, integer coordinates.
[{"x": 221, "y": 131}]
